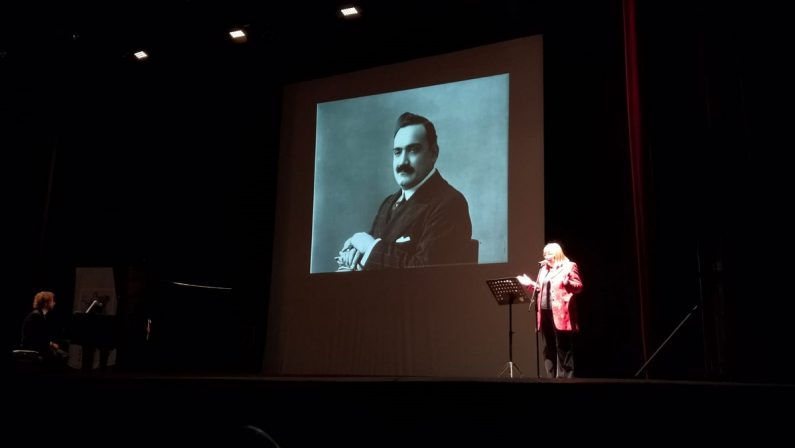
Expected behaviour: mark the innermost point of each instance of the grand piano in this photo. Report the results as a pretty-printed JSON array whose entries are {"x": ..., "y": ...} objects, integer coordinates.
[{"x": 93, "y": 330}]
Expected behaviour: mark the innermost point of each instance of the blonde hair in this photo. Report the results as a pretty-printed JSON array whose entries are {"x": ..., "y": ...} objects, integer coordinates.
[
  {"x": 42, "y": 298},
  {"x": 556, "y": 251}
]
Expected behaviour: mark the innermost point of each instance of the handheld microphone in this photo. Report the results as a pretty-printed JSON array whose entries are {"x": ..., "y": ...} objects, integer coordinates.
[{"x": 542, "y": 262}]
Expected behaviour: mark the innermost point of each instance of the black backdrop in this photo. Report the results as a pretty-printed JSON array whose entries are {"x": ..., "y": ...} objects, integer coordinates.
[{"x": 169, "y": 165}]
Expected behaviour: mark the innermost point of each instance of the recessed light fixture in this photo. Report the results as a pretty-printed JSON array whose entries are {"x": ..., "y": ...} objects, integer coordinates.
[
  {"x": 141, "y": 55},
  {"x": 351, "y": 11},
  {"x": 237, "y": 34}
]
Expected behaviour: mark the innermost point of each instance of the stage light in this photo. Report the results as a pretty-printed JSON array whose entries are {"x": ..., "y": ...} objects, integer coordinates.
[
  {"x": 238, "y": 35},
  {"x": 141, "y": 55},
  {"x": 349, "y": 12}
]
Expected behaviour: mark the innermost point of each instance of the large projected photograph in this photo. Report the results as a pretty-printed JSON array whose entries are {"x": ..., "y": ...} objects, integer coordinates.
[{"x": 412, "y": 178}]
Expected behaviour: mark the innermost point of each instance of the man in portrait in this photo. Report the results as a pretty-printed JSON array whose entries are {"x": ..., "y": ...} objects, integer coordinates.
[{"x": 426, "y": 222}]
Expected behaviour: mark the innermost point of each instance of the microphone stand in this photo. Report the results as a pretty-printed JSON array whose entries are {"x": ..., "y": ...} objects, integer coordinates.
[
  {"x": 534, "y": 309},
  {"x": 651, "y": 358},
  {"x": 700, "y": 303}
]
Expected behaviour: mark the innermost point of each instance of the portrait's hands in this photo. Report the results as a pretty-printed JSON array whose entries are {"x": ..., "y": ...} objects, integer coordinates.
[
  {"x": 351, "y": 257},
  {"x": 361, "y": 241},
  {"x": 352, "y": 252},
  {"x": 348, "y": 259},
  {"x": 346, "y": 245}
]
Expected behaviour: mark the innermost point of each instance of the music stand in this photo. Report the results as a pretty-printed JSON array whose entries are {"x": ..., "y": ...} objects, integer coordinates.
[{"x": 507, "y": 291}]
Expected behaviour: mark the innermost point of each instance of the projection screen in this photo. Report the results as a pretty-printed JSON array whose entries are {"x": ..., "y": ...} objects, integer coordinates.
[{"x": 419, "y": 304}]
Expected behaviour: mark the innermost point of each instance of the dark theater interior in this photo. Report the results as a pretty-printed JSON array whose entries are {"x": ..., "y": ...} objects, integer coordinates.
[{"x": 179, "y": 174}]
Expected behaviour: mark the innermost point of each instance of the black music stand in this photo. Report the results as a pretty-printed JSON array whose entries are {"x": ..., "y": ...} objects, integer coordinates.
[{"x": 508, "y": 291}]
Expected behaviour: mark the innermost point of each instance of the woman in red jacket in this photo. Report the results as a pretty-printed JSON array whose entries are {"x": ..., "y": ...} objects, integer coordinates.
[{"x": 557, "y": 281}]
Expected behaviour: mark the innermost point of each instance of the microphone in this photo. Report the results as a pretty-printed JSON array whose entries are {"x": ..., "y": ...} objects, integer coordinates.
[{"x": 542, "y": 262}]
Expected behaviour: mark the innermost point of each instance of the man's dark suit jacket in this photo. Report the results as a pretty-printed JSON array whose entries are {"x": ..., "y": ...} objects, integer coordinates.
[
  {"x": 36, "y": 332},
  {"x": 431, "y": 228}
]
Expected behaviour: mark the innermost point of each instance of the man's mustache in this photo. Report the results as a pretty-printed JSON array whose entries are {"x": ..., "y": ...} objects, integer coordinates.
[{"x": 408, "y": 169}]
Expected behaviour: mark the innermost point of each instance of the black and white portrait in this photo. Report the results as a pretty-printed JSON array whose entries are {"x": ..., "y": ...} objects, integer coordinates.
[{"x": 441, "y": 150}]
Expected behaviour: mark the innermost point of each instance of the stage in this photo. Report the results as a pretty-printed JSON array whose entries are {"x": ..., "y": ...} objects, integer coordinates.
[{"x": 389, "y": 411}]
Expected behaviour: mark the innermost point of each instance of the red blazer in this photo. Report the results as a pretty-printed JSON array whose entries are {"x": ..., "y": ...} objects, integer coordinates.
[{"x": 564, "y": 282}]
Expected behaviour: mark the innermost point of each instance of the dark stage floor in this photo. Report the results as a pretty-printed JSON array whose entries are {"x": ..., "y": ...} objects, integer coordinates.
[{"x": 389, "y": 411}]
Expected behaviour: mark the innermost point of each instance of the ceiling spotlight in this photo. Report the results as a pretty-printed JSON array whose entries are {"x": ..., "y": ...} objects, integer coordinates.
[
  {"x": 238, "y": 35},
  {"x": 141, "y": 55},
  {"x": 349, "y": 12}
]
